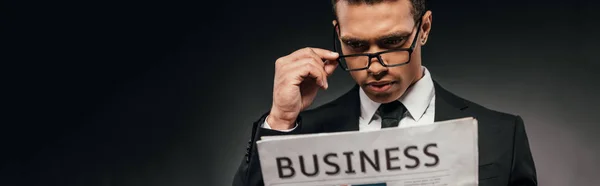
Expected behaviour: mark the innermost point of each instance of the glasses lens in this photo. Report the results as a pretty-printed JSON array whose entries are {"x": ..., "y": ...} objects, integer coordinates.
[
  {"x": 392, "y": 58},
  {"x": 395, "y": 57},
  {"x": 355, "y": 62}
]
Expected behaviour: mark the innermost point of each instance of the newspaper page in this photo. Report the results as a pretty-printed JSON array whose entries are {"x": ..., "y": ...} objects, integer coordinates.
[{"x": 440, "y": 154}]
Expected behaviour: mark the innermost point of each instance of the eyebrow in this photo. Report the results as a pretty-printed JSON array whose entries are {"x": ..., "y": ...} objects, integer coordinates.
[
  {"x": 396, "y": 34},
  {"x": 353, "y": 39}
]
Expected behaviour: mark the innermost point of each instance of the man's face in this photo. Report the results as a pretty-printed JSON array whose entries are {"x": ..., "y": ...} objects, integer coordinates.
[{"x": 378, "y": 27}]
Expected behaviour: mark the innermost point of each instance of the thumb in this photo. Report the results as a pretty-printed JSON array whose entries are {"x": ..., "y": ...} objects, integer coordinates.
[{"x": 330, "y": 66}]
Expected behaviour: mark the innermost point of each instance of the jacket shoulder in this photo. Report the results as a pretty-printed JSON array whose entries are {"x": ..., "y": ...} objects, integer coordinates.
[
  {"x": 481, "y": 111},
  {"x": 476, "y": 110}
]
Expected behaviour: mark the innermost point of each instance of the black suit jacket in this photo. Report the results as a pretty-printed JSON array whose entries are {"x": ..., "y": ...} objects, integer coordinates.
[{"x": 504, "y": 155}]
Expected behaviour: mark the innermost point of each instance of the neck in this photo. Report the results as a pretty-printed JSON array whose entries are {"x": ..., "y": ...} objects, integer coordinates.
[{"x": 419, "y": 77}]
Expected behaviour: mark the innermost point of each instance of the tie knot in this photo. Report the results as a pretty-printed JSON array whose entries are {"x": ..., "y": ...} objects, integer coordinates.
[{"x": 394, "y": 109}]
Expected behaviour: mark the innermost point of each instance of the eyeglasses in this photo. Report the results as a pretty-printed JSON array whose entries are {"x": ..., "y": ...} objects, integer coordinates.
[{"x": 361, "y": 61}]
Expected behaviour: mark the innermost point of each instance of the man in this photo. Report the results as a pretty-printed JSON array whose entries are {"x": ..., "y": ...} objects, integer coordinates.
[{"x": 379, "y": 43}]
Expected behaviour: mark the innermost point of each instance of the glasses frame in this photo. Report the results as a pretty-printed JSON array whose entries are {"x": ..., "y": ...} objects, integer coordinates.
[{"x": 377, "y": 55}]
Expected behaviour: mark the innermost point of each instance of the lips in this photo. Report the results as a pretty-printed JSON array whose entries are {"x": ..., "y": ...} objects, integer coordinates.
[
  {"x": 379, "y": 86},
  {"x": 379, "y": 83}
]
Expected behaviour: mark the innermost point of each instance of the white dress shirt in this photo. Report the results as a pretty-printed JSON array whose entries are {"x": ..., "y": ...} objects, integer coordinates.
[{"x": 419, "y": 100}]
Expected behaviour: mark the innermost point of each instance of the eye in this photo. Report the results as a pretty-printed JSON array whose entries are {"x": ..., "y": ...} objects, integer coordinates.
[
  {"x": 393, "y": 42},
  {"x": 355, "y": 45}
]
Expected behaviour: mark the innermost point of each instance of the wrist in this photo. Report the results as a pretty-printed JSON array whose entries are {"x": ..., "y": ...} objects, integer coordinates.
[{"x": 279, "y": 121}]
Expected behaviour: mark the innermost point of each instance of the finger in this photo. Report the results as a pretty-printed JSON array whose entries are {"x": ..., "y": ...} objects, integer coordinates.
[
  {"x": 316, "y": 70},
  {"x": 306, "y": 53},
  {"x": 318, "y": 64},
  {"x": 325, "y": 54},
  {"x": 330, "y": 66},
  {"x": 307, "y": 67},
  {"x": 321, "y": 54},
  {"x": 316, "y": 57}
]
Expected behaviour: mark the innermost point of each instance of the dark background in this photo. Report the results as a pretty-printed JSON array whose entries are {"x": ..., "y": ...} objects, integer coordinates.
[{"x": 164, "y": 93}]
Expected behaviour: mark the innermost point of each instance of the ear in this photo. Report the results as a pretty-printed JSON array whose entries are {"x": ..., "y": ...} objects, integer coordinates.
[
  {"x": 335, "y": 25},
  {"x": 425, "y": 27}
]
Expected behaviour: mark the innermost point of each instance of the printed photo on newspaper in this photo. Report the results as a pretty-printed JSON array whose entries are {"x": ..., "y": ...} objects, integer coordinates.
[{"x": 439, "y": 154}]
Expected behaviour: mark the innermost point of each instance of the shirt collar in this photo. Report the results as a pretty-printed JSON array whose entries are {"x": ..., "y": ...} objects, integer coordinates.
[{"x": 416, "y": 99}]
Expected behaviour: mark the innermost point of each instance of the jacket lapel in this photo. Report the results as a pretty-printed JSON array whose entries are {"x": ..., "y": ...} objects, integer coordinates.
[{"x": 447, "y": 105}]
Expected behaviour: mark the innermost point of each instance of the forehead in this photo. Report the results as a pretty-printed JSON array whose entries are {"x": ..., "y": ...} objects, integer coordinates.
[{"x": 371, "y": 20}]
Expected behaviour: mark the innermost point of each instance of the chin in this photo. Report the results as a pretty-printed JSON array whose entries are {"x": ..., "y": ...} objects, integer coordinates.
[{"x": 384, "y": 97}]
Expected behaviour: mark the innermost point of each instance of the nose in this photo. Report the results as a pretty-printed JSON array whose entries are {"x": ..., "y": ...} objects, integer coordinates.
[{"x": 376, "y": 69}]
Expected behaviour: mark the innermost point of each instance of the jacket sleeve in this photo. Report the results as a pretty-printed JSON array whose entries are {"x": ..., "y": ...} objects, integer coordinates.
[
  {"x": 249, "y": 172},
  {"x": 523, "y": 171}
]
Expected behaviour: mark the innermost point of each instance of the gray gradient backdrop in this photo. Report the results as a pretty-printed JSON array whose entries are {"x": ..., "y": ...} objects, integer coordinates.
[{"x": 156, "y": 93}]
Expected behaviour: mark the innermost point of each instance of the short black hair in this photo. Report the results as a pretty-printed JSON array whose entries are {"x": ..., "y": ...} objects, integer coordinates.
[{"x": 418, "y": 6}]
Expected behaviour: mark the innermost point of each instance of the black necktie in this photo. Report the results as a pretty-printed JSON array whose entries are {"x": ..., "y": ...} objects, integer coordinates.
[{"x": 391, "y": 113}]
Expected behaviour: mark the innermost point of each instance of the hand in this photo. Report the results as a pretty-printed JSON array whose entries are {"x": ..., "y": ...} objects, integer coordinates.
[{"x": 298, "y": 77}]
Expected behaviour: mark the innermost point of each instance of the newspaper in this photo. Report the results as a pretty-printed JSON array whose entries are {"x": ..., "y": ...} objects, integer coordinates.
[{"x": 439, "y": 154}]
